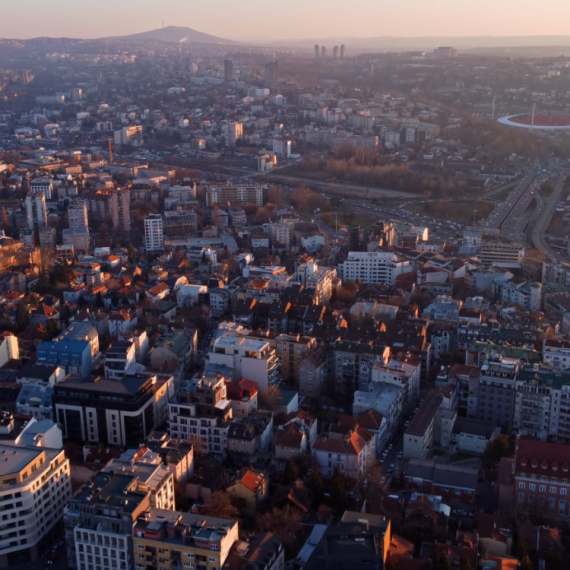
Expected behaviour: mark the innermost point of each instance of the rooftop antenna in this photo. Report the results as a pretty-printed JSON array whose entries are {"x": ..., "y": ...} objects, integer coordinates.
[{"x": 493, "y": 112}]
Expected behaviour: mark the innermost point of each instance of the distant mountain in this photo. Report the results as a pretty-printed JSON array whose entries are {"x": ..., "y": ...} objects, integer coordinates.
[{"x": 175, "y": 35}]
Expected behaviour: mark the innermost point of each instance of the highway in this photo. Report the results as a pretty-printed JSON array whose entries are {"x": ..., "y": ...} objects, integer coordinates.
[
  {"x": 498, "y": 216},
  {"x": 537, "y": 235}
]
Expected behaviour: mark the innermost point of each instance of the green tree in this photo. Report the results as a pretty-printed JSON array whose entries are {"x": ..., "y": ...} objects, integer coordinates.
[
  {"x": 499, "y": 447},
  {"x": 52, "y": 329},
  {"x": 221, "y": 506},
  {"x": 291, "y": 471}
]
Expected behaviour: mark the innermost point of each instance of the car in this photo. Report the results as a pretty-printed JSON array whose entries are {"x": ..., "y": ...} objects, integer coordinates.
[{"x": 400, "y": 455}]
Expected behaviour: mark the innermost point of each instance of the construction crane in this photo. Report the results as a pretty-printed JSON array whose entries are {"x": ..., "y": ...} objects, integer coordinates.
[{"x": 110, "y": 141}]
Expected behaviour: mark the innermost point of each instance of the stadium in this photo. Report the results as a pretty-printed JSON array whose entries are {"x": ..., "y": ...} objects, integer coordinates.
[{"x": 537, "y": 121}]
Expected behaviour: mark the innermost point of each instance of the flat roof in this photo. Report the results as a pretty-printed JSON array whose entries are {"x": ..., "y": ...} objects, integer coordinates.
[{"x": 14, "y": 459}]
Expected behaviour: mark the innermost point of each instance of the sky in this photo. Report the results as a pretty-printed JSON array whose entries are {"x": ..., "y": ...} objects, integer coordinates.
[{"x": 286, "y": 19}]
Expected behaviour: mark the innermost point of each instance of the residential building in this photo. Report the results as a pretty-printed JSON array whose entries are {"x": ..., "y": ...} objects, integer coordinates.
[
  {"x": 120, "y": 206},
  {"x": 36, "y": 211},
  {"x": 233, "y": 132},
  {"x": 200, "y": 413},
  {"x": 556, "y": 353},
  {"x": 234, "y": 195},
  {"x": 131, "y": 135},
  {"x": 153, "y": 233},
  {"x": 77, "y": 215},
  {"x": 174, "y": 348},
  {"x": 499, "y": 250},
  {"x": 291, "y": 349},
  {"x": 35, "y": 487},
  {"x": 419, "y": 436},
  {"x": 313, "y": 374},
  {"x": 249, "y": 490},
  {"x": 171, "y": 539},
  {"x": 373, "y": 267},
  {"x": 42, "y": 184},
  {"x": 99, "y": 522},
  {"x": 541, "y": 475},
  {"x": 248, "y": 358},
  {"x": 119, "y": 358},
  {"x": 180, "y": 223}
]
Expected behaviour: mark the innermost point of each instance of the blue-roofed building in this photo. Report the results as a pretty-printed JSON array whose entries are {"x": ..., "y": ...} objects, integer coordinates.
[{"x": 74, "y": 349}]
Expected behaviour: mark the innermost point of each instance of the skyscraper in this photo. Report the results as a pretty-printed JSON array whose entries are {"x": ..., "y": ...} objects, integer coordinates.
[
  {"x": 342, "y": 51},
  {"x": 153, "y": 233},
  {"x": 335, "y": 52},
  {"x": 272, "y": 74},
  {"x": 323, "y": 52},
  {"x": 317, "y": 50},
  {"x": 232, "y": 133},
  {"x": 228, "y": 70}
]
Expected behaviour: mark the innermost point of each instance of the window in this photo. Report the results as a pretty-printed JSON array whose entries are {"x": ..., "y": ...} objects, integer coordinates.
[
  {"x": 542, "y": 488},
  {"x": 532, "y": 487},
  {"x": 521, "y": 485},
  {"x": 553, "y": 490}
]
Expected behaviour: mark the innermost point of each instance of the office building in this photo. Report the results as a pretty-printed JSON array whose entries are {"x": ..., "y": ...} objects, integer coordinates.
[
  {"x": 99, "y": 522},
  {"x": 120, "y": 206},
  {"x": 323, "y": 52},
  {"x": 182, "y": 540},
  {"x": 499, "y": 250},
  {"x": 373, "y": 267},
  {"x": 354, "y": 238},
  {"x": 36, "y": 211},
  {"x": 335, "y": 52},
  {"x": 342, "y": 51},
  {"x": 228, "y": 70},
  {"x": 317, "y": 51},
  {"x": 123, "y": 413},
  {"x": 153, "y": 233},
  {"x": 282, "y": 148},
  {"x": 233, "y": 132},
  {"x": 234, "y": 195},
  {"x": 272, "y": 74},
  {"x": 35, "y": 487}
]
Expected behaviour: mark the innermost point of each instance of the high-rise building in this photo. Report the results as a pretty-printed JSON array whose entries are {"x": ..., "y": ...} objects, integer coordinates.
[
  {"x": 323, "y": 52},
  {"x": 77, "y": 214},
  {"x": 36, "y": 211},
  {"x": 342, "y": 49},
  {"x": 121, "y": 209},
  {"x": 180, "y": 223},
  {"x": 131, "y": 135},
  {"x": 354, "y": 238},
  {"x": 317, "y": 51},
  {"x": 35, "y": 487},
  {"x": 335, "y": 52},
  {"x": 24, "y": 76},
  {"x": 233, "y": 132},
  {"x": 228, "y": 70},
  {"x": 234, "y": 195},
  {"x": 153, "y": 233},
  {"x": 272, "y": 74}
]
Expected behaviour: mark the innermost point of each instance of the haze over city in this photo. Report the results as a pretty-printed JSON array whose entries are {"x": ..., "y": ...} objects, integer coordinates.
[
  {"x": 284, "y": 285},
  {"x": 295, "y": 19}
]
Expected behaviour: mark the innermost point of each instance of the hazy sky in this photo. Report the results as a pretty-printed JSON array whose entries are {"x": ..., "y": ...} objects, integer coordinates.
[{"x": 283, "y": 19}]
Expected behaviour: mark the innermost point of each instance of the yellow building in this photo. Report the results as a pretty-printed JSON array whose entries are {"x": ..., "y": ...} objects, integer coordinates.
[{"x": 173, "y": 540}]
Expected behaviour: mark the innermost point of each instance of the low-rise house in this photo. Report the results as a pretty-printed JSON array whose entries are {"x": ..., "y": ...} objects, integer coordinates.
[{"x": 249, "y": 490}]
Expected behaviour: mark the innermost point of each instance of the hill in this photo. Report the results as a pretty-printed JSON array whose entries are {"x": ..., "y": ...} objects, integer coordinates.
[{"x": 175, "y": 34}]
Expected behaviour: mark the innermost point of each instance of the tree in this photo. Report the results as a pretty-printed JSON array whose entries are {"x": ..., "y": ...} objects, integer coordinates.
[
  {"x": 221, "y": 506},
  {"x": 270, "y": 398},
  {"x": 131, "y": 253},
  {"x": 526, "y": 563},
  {"x": 337, "y": 491},
  {"x": 442, "y": 562},
  {"x": 499, "y": 447},
  {"x": 52, "y": 329},
  {"x": 285, "y": 523},
  {"x": 315, "y": 484},
  {"x": 22, "y": 316},
  {"x": 291, "y": 471}
]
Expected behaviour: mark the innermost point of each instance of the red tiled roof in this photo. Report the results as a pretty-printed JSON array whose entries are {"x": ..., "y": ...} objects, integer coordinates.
[
  {"x": 158, "y": 289},
  {"x": 252, "y": 480},
  {"x": 542, "y": 458}
]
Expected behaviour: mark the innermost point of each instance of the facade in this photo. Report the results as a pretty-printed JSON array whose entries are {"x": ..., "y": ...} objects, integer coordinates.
[
  {"x": 556, "y": 353},
  {"x": 120, "y": 206},
  {"x": 541, "y": 474},
  {"x": 180, "y": 223},
  {"x": 97, "y": 410},
  {"x": 171, "y": 539},
  {"x": 153, "y": 234},
  {"x": 35, "y": 487},
  {"x": 43, "y": 184},
  {"x": 36, "y": 211},
  {"x": 419, "y": 436},
  {"x": 234, "y": 195},
  {"x": 291, "y": 350},
  {"x": 99, "y": 522},
  {"x": 248, "y": 358},
  {"x": 500, "y": 251},
  {"x": 233, "y": 132},
  {"x": 119, "y": 358},
  {"x": 200, "y": 413},
  {"x": 77, "y": 214},
  {"x": 373, "y": 267}
]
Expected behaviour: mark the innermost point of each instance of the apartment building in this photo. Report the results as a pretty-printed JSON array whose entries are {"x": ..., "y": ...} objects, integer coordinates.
[
  {"x": 234, "y": 195},
  {"x": 318, "y": 279},
  {"x": 291, "y": 349},
  {"x": 556, "y": 353},
  {"x": 131, "y": 135},
  {"x": 99, "y": 522},
  {"x": 200, "y": 413},
  {"x": 120, "y": 356},
  {"x": 120, "y": 206},
  {"x": 541, "y": 475},
  {"x": 173, "y": 540},
  {"x": 180, "y": 223},
  {"x": 496, "y": 390},
  {"x": 249, "y": 358},
  {"x": 42, "y": 184},
  {"x": 499, "y": 250},
  {"x": 153, "y": 233},
  {"x": 419, "y": 436},
  {"x": 35, "y": 487},
  {"x": 77, "y": 215},
  {"x": 233, "y": 132},
  {"x": 36, "y": 211},
  {"x": 373, "y": 267}
]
